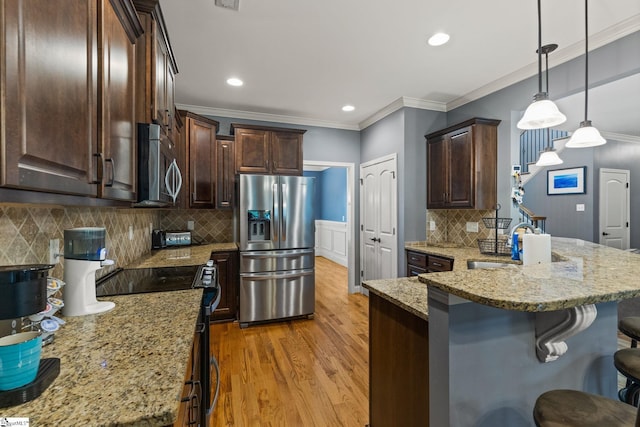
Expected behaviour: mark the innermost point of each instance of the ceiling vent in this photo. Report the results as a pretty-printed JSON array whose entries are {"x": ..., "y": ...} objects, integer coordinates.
[{"x": 229, "y": 4}]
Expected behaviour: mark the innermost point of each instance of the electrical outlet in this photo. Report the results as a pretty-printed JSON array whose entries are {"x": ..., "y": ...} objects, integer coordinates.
[
  {"x": 191, "y": 225},
  {"x": 472, "y": 227},
  {"x": 432, "y": 226},
  {"x": 580, "y": 207},
  {"x": 54, "y": 251},
  {"x": 131, "y": 232}
]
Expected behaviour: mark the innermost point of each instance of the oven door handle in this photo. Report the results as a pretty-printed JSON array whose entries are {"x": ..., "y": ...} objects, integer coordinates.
[
  {"x": 200, "y": 327},
  {"x": 214, "y": 362}
]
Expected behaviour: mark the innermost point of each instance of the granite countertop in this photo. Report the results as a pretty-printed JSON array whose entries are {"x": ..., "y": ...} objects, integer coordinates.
[
  {"x": 123, "y": 367},
  {"x": 180, "y": 256},
  {"x": 405, "y": 292},
  {"x": 585, "y": 273},
  {"x": 582, "y": 273}
]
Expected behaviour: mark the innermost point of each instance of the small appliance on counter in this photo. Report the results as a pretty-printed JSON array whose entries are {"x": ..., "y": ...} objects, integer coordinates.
[
  {"x": 161, "y": 239},
  {"x": 23, "y": 375},
  {"x": 84, "y": 254}
]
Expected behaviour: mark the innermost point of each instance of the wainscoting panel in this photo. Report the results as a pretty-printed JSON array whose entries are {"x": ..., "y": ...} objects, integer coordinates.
[{"x": 331, "y": 241}]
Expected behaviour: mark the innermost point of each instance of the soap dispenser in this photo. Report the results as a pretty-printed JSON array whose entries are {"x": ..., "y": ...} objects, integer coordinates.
[{"x": 515, "y": 252}]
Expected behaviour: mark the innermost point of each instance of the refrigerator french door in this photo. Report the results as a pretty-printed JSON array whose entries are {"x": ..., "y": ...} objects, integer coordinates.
[{"x": 277, "y": 239}]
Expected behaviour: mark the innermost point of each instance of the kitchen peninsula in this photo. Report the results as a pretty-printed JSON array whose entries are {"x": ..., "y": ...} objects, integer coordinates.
[{"x": 488, "y": 329}]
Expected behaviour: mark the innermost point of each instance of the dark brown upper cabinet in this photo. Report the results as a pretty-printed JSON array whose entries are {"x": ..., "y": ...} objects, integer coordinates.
[
  {"x": 117, "y": 109},
  {"x": 67, "y": 126},
  {"x": 462, "y": 166},
  {"x": 200, "y": 142},
  {"x": 268, "y": 150},
  {"x": 155, "y": 69},
  {"x": 225, "y": 171}
]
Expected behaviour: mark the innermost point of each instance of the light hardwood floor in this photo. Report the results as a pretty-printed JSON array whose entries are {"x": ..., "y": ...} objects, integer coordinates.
[{"x": 301, "y": 372}]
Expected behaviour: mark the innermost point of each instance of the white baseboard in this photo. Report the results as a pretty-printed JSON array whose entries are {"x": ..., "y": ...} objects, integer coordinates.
[{"x": 331, "y": 241}]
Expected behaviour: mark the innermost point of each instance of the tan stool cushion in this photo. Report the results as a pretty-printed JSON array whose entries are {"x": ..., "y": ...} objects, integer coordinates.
[
  {"x": 569, "y": 408},
  {"x": 627, "y": 361},
  {"x": 630, "y": 326}
]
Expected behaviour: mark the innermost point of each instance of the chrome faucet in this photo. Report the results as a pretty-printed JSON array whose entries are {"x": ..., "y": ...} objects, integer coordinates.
[{"x": 515, "y": 227}]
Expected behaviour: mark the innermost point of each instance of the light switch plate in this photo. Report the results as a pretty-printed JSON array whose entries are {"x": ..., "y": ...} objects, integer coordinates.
[
  {"x": 131, "y": 232},
  {"x": 580, "y": 207},
  {"x": 190, "y": 225},
  {"x": 472, "y": 227},
  {"x": 432, "y": 225}
]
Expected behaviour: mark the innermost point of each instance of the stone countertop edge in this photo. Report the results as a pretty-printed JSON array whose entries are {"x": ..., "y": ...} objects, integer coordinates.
[
  {"x": 587, "y": 273},
  {"x": 123, "y": 367},
  {"x": 181, "y": 255},
  {"x": 406, "y": 292}
]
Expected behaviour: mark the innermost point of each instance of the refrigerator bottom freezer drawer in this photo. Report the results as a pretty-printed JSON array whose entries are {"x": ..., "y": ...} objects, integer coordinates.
[{"x": 276, "y": 295}]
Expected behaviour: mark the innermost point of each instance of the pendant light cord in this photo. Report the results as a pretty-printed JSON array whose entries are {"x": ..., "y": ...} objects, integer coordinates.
[
  {"x": 540, "y": 49},
  {"x": 586, "y": 58}
]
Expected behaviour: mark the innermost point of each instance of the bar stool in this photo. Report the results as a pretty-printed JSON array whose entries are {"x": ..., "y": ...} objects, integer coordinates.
[
  {"x": 572, "y": 408},
  {"x": 627, "y": 362},
  {"x": 630, "y": 326}
]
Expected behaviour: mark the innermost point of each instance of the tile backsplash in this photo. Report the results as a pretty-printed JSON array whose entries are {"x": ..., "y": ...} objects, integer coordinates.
[
  {"x": 451, "y": 226},
  {"x": 25, "y": 231},
  {"x": 210, "y": 226}
]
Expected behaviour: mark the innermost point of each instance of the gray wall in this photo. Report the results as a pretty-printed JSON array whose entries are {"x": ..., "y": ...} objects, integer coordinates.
[
  {"x": 402, "y": 132},
  {"x": 622, "y": 155},
  {"x": 563, "y": 220},
  {"x": 608, "y": 63}
]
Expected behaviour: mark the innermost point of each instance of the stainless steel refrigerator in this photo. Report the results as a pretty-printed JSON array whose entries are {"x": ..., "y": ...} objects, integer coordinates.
[{"x": 277, "y": 239}]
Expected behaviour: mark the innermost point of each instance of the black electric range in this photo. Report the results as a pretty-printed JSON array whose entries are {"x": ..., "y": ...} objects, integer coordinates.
[
  {"x": 143, "y": 280},
  {"x": 205, "y": 382}
]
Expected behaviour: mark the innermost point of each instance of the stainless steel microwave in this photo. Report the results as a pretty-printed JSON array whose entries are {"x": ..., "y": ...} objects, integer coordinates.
[{"x": 159, "y": 177}]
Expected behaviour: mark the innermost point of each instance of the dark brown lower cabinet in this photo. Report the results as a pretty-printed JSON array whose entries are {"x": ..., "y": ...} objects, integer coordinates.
[
  {"x": 398, "y": 366},
  {"x": 228, "y": 276}
]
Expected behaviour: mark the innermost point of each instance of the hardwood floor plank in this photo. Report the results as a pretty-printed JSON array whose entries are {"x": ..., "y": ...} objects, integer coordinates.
[{"x": 301, "y": 372}]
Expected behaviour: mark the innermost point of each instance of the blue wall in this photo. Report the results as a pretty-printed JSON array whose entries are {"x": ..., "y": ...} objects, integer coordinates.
[{"x": 331, "y": 194}]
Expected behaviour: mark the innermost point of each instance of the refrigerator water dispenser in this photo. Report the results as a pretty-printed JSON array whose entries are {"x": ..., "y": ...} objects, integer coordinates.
[{"x": 259, "y": 225}]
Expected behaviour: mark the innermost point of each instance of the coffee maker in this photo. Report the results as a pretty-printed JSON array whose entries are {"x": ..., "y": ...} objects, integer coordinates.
[
  {"x": 84, "y": 254},
  {"x": 24, "y": 293}
]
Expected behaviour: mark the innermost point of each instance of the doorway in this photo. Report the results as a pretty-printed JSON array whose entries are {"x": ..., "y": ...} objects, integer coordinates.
[
  {"x": 352, "y": 287},
  {"x": 378, "y": 218},
  {"x": 614, "y": 208}
]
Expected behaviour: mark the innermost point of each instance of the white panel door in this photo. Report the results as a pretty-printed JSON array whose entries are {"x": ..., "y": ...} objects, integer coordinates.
[
  {"x": 378, "y": 218},
  {"x": 368, "y": 223},
  {"x": 614, "y": 208}
]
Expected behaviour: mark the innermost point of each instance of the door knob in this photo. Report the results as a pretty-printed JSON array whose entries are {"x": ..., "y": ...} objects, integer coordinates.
[
  {"x": 374, "y": 239},
  {"x": 604, "y": 233}
]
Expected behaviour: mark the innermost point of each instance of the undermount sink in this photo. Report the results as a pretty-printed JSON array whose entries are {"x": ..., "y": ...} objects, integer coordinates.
[{"x": 472, "y": 265}]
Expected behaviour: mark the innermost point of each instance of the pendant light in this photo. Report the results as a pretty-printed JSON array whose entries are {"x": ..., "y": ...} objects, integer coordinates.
[
  {"x": 542, "y": 113},
  {"x": 548, "y": 157},
  {"x": 586, "y": 135}
]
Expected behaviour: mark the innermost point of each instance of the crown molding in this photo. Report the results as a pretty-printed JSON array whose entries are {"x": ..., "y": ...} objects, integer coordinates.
[
  {"x": 606, "y": 36},
  {"x": 403, "y": 101},
  {"x": 265, "y": 117},
  {"x": 620, "y": 137},
  {"x": 382, "y": 113}
]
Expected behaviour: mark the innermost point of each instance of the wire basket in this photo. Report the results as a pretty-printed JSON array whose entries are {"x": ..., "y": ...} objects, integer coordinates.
[
  {"x": 489, "y": 247},
  {"x": 501, "y": 223}
]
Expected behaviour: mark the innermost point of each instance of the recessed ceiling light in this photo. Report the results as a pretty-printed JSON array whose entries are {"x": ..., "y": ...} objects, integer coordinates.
[
  {"x": 233, "y": 81},
  {"x": 438, "y": 39},
  {"x": 348, "y": 108}
]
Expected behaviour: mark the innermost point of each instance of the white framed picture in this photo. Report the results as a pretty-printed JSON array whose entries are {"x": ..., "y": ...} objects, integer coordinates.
[{"x": 566, "y": 181}]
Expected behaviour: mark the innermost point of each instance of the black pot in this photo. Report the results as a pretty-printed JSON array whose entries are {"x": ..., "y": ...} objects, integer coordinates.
[{"x": 23, "y": 289}]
